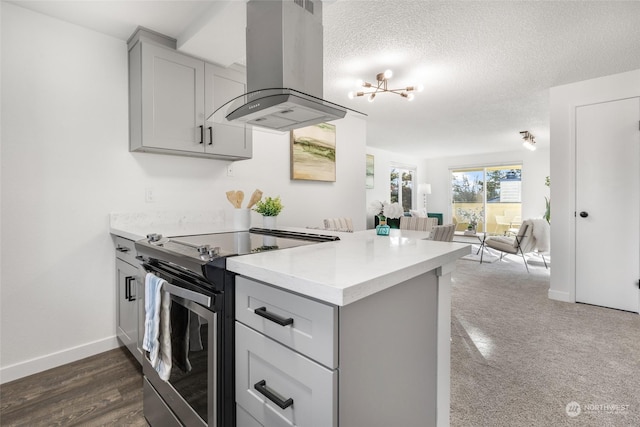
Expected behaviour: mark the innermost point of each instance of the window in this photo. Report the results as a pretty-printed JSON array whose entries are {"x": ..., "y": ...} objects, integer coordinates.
[
  {"x": 401, "y": 179},
  {"x": 487, "y": 198}
]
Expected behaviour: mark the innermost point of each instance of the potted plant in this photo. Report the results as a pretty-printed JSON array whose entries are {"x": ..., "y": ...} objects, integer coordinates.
[
  {"x": 471, "y": 216},
  {"x": 269, "y": 208},
  {"x": 547, "y": 202},
  {"x": 387, "y": 211}
]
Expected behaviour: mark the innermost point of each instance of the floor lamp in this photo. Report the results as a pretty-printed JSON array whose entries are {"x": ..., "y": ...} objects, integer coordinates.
[{"x": 425, "y": 189}]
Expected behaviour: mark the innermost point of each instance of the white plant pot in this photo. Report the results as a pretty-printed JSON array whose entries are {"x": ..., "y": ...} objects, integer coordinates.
[{"x": 269, "y": 222}]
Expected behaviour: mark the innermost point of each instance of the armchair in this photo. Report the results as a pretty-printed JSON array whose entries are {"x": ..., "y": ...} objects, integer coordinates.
[
  {"x": 532, "y": 236},
  {"x": 338, "y": 224},
  {"x": 502, "y": 224},
  {"x": 443, "y": 233},
  {"x": 417, "y": 223}
]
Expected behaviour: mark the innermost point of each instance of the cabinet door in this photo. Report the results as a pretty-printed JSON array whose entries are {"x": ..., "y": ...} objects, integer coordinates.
[
  {"x": 127, "y": 306},
  {"x": 141, "y": 313},
  {"x": 172, "y": 100},
  {"x": 233, "y": 140}
]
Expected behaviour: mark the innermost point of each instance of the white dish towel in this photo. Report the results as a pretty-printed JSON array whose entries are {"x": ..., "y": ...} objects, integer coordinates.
[{"x": 157, "y": 331}]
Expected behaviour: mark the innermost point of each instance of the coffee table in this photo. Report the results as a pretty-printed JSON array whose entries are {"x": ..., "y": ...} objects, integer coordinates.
[{"x": 461, "y": 237}]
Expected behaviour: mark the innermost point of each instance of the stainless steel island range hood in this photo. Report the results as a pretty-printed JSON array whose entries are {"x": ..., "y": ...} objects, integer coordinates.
[{"x": 284, "y": 68}]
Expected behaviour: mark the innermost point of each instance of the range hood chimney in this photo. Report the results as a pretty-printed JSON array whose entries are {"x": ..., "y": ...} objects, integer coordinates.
[{"x": 284, "y": 68}]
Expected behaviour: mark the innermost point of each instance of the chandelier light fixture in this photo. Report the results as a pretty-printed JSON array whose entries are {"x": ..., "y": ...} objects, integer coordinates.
[
  {"x": 529, "y": 140},
  {"x": 381, "y": 86}
]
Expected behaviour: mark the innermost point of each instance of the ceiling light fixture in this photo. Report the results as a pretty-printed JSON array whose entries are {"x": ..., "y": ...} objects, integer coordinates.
[
  {"x": 381, "y": 86},
  {"x": 529, "y": 140}
]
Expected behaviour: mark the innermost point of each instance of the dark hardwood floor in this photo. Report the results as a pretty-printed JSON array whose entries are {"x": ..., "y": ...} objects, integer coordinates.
[{"x": 102, "y": 390}]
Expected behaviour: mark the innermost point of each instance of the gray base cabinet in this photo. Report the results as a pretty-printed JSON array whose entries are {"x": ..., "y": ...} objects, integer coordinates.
[
  {"x": 301, "y": 362},
  {"x": 171, "y": 95},
  {"x": 130, "y": 298}
]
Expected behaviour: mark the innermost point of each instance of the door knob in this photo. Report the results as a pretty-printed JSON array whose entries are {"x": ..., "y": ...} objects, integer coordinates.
[{"x": 584, "y": 214}]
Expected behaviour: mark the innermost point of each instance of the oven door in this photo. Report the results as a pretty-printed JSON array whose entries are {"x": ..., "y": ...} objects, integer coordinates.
[{"x": 191, "y": 391}]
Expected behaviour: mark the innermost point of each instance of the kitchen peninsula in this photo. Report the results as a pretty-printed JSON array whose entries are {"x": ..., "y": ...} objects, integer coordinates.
[
  {"x": 343, "y": 333},
  {"x": 390, "y": 341}
]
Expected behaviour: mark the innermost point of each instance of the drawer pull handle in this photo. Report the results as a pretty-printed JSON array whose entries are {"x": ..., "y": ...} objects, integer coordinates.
[
  {"x": 127, "y": 288},
  {"x": 261, "y": 386},
  {"x": 262, "y": 312},
  {"x": 122, "y": 249}
]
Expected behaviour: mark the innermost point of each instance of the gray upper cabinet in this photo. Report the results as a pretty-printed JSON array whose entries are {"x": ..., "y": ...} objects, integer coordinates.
[
  {"x": 222, "y": 85},
  {"x": 170, "y": 97}
]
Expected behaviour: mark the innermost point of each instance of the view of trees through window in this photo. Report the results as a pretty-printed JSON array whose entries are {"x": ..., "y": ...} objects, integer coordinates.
[
  {"x": 487, "y": 199},
  {"x": 402, "y": 187}
]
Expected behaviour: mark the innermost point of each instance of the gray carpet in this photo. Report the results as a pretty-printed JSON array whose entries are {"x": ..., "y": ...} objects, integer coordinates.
[{"x": 519, "y": 358}]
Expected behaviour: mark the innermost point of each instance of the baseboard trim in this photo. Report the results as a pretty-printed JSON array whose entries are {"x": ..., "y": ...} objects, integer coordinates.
[
  {"x": 53, "y": 360},
  {"x": 560, "y": 296}
]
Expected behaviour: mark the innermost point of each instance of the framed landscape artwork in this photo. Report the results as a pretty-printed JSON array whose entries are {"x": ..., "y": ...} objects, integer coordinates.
[
  {"x": 369, "y": 178},
  {"x": 313, "y": 153}
]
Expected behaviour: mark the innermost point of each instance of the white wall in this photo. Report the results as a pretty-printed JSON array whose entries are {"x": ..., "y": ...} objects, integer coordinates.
[
  {"x": 535, "y": 167},
  {"x": 381, "y": 191},
  {"x": 66, "y": 166},
  {"x": 563, "y": 102}
]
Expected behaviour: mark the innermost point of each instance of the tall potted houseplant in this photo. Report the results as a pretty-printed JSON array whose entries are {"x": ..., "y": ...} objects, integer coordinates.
[
  {"x": 547, "y": 202},
  {"x": 269, "y": 208}
]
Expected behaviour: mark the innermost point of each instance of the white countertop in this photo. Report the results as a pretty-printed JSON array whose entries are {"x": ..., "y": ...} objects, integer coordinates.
[
  {"x": 342, "y": 272},
  {"x": 358, "y": 265}
]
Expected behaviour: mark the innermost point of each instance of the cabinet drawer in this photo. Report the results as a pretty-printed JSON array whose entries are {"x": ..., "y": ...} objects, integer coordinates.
[
  {"x": 243, "y": 419},
  {"x": 268, "y": 373},
  {"x": 125, "y": 250},
  {"x": 312, "y": 328}
]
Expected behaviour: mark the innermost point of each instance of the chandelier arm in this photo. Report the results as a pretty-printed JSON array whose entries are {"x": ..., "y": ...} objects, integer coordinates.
[{"x": 382, "y": 86}]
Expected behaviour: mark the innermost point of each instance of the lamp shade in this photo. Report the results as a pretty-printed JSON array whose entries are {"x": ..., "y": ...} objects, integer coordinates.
[{"x": 424, "y": 188}]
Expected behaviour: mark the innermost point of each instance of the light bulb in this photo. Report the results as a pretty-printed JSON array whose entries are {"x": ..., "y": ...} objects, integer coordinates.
[
  {"x": 420, "y": 88},
  {"x": 351, "y": 95},
  {"x": 371, "y": 97},
  {"x": 388, "y": 74},
  {"x": 410, "y": 96},
  {"x": 359, "y": 83}
]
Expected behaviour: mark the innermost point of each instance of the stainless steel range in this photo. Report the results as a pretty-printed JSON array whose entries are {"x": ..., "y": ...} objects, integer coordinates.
[{"x": 201, "y": 386}]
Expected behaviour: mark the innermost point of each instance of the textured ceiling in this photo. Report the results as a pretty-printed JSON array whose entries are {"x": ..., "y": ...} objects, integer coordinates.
[{"x": 486, "y": 66}]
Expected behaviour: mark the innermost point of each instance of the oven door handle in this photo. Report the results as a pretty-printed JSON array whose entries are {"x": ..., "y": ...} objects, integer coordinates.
[{"x": 187, "y": 294}]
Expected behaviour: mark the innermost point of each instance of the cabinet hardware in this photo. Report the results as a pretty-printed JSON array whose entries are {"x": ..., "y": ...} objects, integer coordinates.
[
  {"x": 262, "y": 312},
  {"x": 127, "y": 288},
  {"x": 201, "y": 134},
  {"x": 210, "y": 135},
  {"x": 122, "y": 249},
  {"x": 261, "y": 387},
  {"x": 584, "y": 214}
]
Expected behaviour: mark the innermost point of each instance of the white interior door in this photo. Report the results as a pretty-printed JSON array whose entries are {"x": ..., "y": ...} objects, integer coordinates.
[{"x": 608, "y": 204}]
